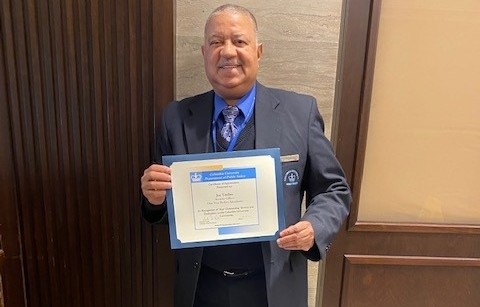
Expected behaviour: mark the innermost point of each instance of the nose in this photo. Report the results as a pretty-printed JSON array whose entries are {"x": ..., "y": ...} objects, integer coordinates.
[{"x": 229, "y": 50}]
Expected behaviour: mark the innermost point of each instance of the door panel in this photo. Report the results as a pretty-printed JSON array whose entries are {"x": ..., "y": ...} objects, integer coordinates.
[
  {"x": 407, "y": 242},
  {"x": 424, "y": 111},
  {"x": 398, "y": 281}
]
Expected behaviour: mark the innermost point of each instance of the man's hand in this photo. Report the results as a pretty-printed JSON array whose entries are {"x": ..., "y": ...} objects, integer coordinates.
[
  {"x": 297, "y": 237},
  {"x": 155, "y": 181}
]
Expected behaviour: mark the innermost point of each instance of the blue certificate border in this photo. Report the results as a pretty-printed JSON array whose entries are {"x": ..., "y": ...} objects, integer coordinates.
[{"x": 273, "y": 152}]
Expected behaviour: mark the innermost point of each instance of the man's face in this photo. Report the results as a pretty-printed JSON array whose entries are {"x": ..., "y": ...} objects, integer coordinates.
[{"x": 231, "y": 55}]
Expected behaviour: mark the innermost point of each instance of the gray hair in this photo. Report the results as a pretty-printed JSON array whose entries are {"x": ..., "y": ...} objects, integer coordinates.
[{"x": 233, "y": 9}]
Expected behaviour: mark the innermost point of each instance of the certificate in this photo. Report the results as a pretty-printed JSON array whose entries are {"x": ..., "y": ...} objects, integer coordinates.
[{"x": 225, "y": 198}]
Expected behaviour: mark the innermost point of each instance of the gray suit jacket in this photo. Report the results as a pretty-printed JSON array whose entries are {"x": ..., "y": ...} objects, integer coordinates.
[{"x": 291, "y": 122}]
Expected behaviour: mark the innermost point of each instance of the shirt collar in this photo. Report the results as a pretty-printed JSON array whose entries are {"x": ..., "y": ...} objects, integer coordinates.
[{"x": 244, "y": 104}]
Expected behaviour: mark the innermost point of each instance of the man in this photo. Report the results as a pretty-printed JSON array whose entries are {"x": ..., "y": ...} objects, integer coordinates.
[{"x": 241, "y": 114}]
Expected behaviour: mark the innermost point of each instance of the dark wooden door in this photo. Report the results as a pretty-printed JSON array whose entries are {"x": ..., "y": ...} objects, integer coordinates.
[
  {"x": 388, "y": 263},
  {"x": 81, "y": 82}
]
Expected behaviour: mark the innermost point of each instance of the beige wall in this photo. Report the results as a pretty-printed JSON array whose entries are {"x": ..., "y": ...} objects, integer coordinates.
[
  {"x": 300, "y": 41},
  {"x": 300, "y": 46}
]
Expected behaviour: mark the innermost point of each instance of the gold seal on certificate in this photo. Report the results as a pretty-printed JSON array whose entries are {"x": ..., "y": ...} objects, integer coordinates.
[{"x": 225, "y": 198}]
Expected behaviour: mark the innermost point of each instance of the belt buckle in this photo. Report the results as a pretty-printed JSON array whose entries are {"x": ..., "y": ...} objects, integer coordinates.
[{"x": 231, "y": 274}]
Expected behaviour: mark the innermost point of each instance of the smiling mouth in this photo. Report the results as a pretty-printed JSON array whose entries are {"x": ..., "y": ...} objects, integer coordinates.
[{"x": 229, "y": 66}]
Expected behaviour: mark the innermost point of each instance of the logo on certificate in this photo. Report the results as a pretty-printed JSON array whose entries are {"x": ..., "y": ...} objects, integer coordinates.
[
  {"x": 196, "y": 177},
  {"x": 291, "y": 177}
]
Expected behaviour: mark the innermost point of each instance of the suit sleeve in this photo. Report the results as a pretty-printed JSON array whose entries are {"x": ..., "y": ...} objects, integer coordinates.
[{"x": 327, "y": 193}]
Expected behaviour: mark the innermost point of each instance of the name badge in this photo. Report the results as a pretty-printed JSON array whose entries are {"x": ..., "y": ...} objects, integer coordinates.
[{"x": 290, "y": 158}]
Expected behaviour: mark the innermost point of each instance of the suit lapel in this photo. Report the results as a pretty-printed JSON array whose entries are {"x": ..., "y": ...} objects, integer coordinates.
[
  {"x": 268, "y": 127},
  {"x": 197, "y": 126}
]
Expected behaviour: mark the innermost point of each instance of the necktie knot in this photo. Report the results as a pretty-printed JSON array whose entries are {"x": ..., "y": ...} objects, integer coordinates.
[
  {"x": 229, "y": 128},
  {"x": 230, "y": 113}
]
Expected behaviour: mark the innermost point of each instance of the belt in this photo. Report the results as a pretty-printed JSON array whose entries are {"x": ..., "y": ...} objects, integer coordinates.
[{"x": 233, "y": 273}]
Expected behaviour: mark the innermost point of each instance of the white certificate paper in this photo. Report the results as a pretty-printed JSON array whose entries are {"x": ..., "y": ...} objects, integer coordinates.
[{"x": 225, "y": 198}]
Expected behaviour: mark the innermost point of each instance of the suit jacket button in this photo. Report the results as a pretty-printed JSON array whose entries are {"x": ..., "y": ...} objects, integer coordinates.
[{"x": 196, "y": 265}]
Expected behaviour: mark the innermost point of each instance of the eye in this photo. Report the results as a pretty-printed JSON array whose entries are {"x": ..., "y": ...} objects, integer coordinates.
[
  {"x": 239, "y": 42},
  {"x": 215, "y": 42}
]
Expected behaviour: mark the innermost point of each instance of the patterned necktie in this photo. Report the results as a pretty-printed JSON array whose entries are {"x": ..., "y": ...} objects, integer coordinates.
[{"x": 229, "y": 129}]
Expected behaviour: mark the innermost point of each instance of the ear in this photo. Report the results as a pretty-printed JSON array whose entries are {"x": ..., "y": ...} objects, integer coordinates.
[
  {"x": 259, "y": 51},
  {"x": 203, "y": 50}
]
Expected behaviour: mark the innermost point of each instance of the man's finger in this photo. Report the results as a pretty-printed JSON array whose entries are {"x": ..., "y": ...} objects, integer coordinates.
[
  {"x": 159, "y": 168},
  {"x": 288, "y": 231},
  {"x": 297, "y": 237}
]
